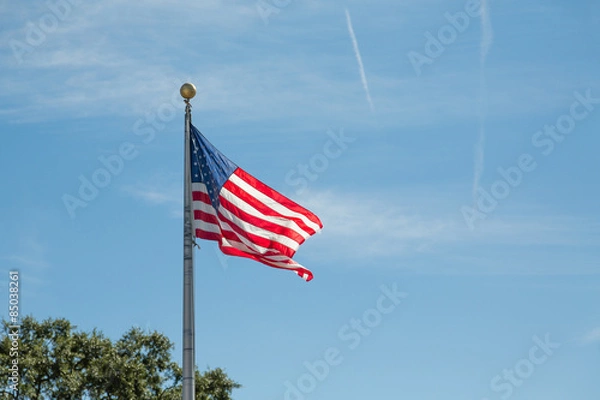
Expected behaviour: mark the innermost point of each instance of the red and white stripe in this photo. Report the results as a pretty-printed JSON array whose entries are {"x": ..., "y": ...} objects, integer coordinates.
[{"x": 254, "y": 221}]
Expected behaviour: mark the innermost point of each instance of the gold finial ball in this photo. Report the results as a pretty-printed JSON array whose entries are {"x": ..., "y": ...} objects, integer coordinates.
[{"x": 187, "y": 91}]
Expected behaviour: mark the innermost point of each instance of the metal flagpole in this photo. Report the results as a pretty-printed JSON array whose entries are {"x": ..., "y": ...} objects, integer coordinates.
[{"x": 188, "y": 91}]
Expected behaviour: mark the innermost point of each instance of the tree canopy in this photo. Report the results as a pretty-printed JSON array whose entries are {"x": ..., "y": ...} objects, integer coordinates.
[{"x": 57, "y": 362}]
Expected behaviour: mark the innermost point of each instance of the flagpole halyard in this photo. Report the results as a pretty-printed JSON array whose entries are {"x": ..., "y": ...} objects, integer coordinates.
[{"x": 188, "y": 91}]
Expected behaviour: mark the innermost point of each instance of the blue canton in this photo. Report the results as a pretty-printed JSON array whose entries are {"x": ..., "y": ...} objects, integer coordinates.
[{"x": 209, "y": 165}]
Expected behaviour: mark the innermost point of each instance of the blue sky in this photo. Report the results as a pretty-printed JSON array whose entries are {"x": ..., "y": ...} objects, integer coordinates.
[{"x": 489, "y": 262}]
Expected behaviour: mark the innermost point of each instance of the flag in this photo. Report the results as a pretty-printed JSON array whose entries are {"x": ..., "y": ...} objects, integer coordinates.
[{"x": 246, "y": 217}]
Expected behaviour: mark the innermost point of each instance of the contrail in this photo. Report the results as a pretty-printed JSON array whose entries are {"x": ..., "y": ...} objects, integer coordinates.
[
  {"x": 487, "y": 37},
  {"x": 363, "y": 77},
  {"x": 487, "y": 33}
]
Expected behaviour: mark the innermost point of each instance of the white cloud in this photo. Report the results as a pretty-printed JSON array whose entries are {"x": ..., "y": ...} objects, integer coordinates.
[
  {"x": 374, "y": 226},
  {"x": 115, "y": 57},
  {"x": 593, "y": 336},
  {"x": 421, "y": 228},
  {"x": 31, "y": 253},
  {"x": 423, "y": 225},
  {"x": 159, "y": 191},
  {"x": 152, "y": 195},
  {"x": 26, "y": 261},
  {"x": 30, "y": 258}
]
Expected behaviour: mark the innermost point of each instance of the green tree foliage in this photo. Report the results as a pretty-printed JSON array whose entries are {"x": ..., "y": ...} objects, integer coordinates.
[{"x": 59, "y": 363}]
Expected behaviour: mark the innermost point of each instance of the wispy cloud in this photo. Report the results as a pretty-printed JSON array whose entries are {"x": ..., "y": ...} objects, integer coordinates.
[
  {"x": 152, "y": 195},
  {"x": 373, "y": 227},
  {"x": 30, "y": 258},
  {"x": 31, "y": 253},
  {"x": 593, "y": 336},
  {"x": 361, "y": 67},
  {"x": 90, "y": 67},
  {"x": 26, "y": 261},
  {"x": 419, "y": 225},
  {"x": 159, "y": 191},
  {"x": 487, "y": 37}
]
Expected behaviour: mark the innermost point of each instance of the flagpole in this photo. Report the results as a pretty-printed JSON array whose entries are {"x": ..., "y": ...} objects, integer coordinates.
[{"x": 188, "y": 91}]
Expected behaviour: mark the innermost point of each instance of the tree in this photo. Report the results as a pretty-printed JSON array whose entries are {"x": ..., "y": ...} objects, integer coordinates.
[{"x": 57, "y": 362}]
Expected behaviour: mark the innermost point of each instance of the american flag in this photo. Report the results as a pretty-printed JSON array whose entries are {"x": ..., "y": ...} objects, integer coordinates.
[{"x": 246, "y": 217}]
